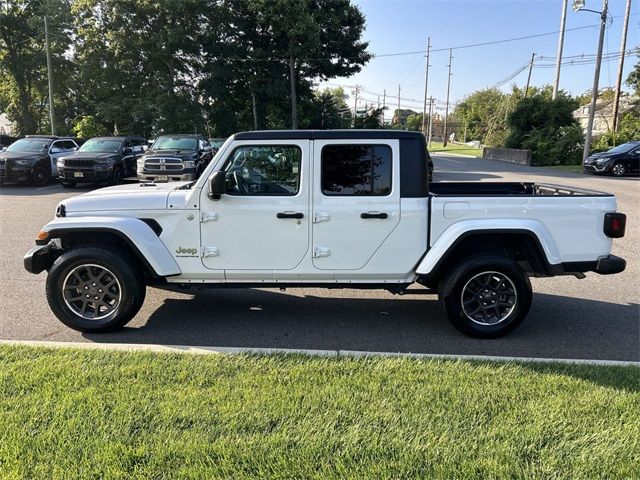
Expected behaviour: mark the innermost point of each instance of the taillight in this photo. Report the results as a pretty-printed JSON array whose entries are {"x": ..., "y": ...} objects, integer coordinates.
[{"x": 614, "y": 224}]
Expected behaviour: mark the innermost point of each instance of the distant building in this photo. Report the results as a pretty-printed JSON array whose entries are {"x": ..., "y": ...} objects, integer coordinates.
[
  {"x": 6, "y": 127},
  {"x": 603, "y": 119}
]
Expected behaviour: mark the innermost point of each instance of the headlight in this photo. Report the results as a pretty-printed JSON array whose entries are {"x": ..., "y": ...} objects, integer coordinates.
[
  {"x": 24, "y": 163},
  {"x": 60, "y": 162},
  {"x": 188, "y": 164},
  {"x": 602, "y": 160},
  {"x": 140, "y": 162},
  {"x": 104, "y": 161}
]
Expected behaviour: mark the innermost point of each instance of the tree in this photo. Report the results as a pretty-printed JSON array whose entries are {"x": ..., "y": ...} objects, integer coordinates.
[
  {"x": 477, "y": 112},
  {"x": 547, "y": 128},
  {"x": 633, "y": 80},
  {"x": 327, "y": 109},
  {"x": 372, "y": 119},
  {"x": 23, "y": 65}
]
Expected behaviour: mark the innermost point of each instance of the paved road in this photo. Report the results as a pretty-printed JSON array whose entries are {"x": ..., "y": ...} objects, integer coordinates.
[{"x": 595, "y": 318}]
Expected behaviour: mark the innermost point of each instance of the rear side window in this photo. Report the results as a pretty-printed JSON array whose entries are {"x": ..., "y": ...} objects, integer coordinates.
[{"x": 363, "y": 170}]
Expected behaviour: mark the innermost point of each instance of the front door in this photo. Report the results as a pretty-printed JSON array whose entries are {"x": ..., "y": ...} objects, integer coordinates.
[
  {"x": 356, "y": 201},
  {"x": 261, "y": 223}
]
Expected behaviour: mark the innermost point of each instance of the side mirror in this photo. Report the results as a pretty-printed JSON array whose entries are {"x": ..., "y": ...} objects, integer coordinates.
[
  {"x": 217, "y": 185},
  {"x": 127, "y": 150}
]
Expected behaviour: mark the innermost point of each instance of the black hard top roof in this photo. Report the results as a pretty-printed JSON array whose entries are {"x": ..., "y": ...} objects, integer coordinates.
[
  {"x": 122, "y": 137},
  {"x": 326, "y": 134}
]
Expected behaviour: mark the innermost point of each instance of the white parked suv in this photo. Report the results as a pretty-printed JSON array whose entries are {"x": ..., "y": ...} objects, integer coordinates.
[{"x": 334, "y": 209}]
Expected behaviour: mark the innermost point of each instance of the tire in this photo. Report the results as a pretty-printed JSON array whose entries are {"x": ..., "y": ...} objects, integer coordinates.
[
  {"x": 476, "y": 296},
  {"x": 116, "y": 176},
  {"x": 83, "y": 271},
  {"x": 39, "y": 176},
  {"x": 70, "y": 184},
  {"x": 618, "y": 170}
]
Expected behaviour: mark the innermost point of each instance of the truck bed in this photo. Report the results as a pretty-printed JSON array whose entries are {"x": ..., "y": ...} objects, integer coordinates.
[{"x": 465, "y": 189}]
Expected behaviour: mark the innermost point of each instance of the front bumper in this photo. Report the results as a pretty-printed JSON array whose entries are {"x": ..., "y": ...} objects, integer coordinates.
[
  {"x": 15, "y": 173},
  {"x": 596, "y": 168},
  {"x": 85, "y": 175},
  {"x": 39, "y": 258},
  {"x": 166, "y": 177}
]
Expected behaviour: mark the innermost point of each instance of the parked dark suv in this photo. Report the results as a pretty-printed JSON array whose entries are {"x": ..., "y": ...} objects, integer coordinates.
[
  {"x": 621, "y": 160},
  {"x": 175, "y": 157},
  {"x": 33, "y": 159},
  {"x": 101, "y": 160}
]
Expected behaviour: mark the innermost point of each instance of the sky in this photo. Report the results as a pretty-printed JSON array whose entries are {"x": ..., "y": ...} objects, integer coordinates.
[{"x": 396, "y": 26}]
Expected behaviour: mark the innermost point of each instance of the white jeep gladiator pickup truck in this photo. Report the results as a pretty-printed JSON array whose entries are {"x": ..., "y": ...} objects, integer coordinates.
[{"x": 334, "y": 209}]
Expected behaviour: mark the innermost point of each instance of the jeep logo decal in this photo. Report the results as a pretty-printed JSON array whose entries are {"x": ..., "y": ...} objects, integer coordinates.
[{"x": 186, "y": 252}]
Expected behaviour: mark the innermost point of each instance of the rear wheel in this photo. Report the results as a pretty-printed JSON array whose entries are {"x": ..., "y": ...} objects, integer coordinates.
[
  {"x": 486, "y": 296},
  {"x": 94, "y": 290},
  {"x": 618, "y": 170}
]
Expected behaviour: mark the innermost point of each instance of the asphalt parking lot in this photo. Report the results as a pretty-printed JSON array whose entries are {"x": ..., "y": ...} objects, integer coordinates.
[{"x": 594, "y": 318}]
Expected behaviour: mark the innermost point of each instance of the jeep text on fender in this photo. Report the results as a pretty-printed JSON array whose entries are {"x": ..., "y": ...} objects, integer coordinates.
[{"x": 335, "y": 209}]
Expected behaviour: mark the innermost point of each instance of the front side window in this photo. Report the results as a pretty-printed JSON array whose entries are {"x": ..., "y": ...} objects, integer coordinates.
[
  {"x": 363, "y": 170},
  {"x": 264, "y": 170}
]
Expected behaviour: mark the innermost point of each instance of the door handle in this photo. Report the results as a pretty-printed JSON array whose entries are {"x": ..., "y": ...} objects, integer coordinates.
[
  {"x": 373, "y": 215},
  {"x": 297, "y": 215}
]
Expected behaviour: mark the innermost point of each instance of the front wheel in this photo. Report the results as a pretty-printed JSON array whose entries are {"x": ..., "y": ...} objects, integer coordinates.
[
  {"x": 116, "y": 177},
  {"x": 486, "y": 296},
  {"x": 94, "y": 290},
  {"x": 618, "y": 170},
  {"x": 39, "y": 176}
]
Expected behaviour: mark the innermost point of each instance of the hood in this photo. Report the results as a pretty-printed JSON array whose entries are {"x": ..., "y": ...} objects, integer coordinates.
[
  {"x": 20, "y": 156},
  {"x": 181, "y": 154},
  {"x": 595, "y": 156},
  {"x": 139, "y": 196},
  {"x": 90, "y": 156}
]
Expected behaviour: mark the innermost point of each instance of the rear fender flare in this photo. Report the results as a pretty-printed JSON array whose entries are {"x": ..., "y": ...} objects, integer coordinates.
[{"x": 460, "y": 230}]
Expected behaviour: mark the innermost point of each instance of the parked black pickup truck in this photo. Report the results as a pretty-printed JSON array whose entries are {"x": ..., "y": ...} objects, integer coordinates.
[
  {"x": 175, "y": 158},
  {"x": 101, "y": 160}
]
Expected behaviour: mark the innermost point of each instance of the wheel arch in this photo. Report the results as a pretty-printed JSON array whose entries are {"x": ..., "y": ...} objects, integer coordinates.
[
  {"x": 138, "y": 237},
  {"x": 532, "y": 248}
]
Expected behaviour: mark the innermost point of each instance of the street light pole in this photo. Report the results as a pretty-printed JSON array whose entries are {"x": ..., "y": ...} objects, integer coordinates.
[
  {"x": 623, "y": 46},
  {"x": 596, "y": 79},
  {"x": 46, "y": 43},
  {"x": 563, "y": 21}
]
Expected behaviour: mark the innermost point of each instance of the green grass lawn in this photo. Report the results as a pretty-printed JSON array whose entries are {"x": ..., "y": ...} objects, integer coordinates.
[
  {"x": 99, "y": 414},
  {"x": 436, "y": 147}
]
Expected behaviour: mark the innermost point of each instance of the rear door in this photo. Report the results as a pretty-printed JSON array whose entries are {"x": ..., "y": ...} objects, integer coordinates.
[{"x": 356, "y": 200}]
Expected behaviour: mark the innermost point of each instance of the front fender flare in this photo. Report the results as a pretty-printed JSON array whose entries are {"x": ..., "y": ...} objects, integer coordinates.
[
  {"x": 459, "y": 230},
  {"x": 133, "y": 231}
]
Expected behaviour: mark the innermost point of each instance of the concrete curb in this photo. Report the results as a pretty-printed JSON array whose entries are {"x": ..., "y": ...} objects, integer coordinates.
[
  {"x": 435, "y": 154},
  {"x": 314, "y": 353}
]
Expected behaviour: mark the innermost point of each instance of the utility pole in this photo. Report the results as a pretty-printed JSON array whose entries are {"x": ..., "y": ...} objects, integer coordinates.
[
  {"x": 430, "y": 120},
  {"x": 294, "y": 100},
  {"x": 623, "y": 46},
  {"x": 596, "y": 79},
  {"x": 384, "y": 104},
  {"x": 49, "y": 75},
  {"x": 526, "y": 90},
  {"x": 563, "y": 21},
  {"x": 398, "y": 104},
  {"x": 446, "y": 109},
  {"x": 356, "y": 92},
  {"x": 426, "y": 85}
]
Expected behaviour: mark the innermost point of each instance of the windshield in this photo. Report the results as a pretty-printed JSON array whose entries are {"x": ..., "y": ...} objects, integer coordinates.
[
  {"x": 175, "y": 143},
  {"x": 101, "y": 145},
  {"x": 33, "y": 145},
  {"x": 624, "y": 148}
]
